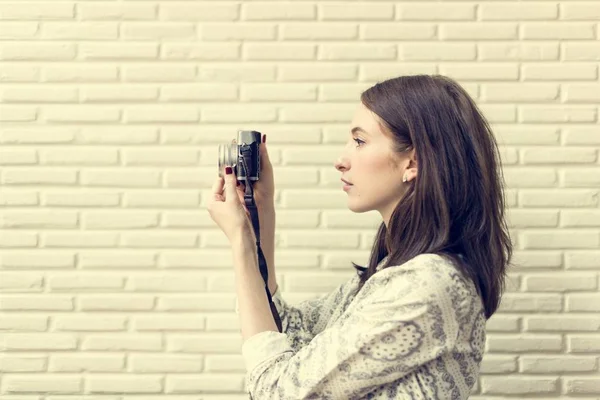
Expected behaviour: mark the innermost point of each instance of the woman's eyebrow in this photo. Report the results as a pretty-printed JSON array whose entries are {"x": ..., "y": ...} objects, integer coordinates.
[{"x": 359, "y": 129}]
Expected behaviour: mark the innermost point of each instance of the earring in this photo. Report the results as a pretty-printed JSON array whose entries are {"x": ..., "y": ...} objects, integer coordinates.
[{"x": 404, "y": 178}]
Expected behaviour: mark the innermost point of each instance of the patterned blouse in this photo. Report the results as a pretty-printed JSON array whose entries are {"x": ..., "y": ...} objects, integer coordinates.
[{"x": 414, "y": 331}]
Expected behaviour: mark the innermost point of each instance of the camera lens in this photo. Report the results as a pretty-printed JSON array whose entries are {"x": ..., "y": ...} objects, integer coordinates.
[{"x": 227, "y": 156}]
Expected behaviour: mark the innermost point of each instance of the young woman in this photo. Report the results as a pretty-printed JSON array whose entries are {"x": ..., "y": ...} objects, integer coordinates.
[{"x": 411, "y": 324}]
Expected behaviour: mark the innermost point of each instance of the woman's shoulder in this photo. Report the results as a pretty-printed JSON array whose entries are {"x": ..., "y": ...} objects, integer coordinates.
[{"x": 433, "y": 274}]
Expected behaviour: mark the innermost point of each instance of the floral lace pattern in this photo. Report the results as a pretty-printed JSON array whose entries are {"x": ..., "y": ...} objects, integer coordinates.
[{"x": 415, "y": 331}]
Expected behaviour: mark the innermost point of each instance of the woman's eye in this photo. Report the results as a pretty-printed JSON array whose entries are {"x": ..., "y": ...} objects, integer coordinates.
[{"x": 358, "y": 141}]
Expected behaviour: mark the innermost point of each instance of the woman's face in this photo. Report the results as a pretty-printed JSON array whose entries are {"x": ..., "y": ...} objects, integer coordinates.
[{"x": 369, "y": 165}]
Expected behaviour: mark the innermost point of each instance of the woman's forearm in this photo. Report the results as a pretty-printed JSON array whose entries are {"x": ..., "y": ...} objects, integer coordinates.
[{"x": 254, "y": 310}]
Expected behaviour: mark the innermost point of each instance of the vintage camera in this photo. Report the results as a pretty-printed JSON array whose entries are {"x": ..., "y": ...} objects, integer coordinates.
[{"x": 243, "y": 155}]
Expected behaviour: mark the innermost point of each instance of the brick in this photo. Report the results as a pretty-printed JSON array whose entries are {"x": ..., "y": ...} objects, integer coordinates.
[
  {"x": 589, "y": 135},
  {"x": 212, "y": 383},
  {"x": 274, "y": 11},
  {"x": 562, "y": 324},
  {"x": 161, "y": 114},
  {"x": 523, "y": 51},
  {"x": 317, "y": 113},
  {"x": 519, "y": 385},
  {"x": 523, "y": 343},
  {"x": 558, "y": 198},
  {"x": 157, "y": 31},
  {"x": 553, "y": 114},
  {"x": 165, "y": 363},
  {"x": 117, "y": 93},
  {"x": 579, "y": 386},
  {"x": 169, "y": 323},
  {"x": 36, "y": 11},
  {"x": 322, "y": 72},
  {"x": 206, "y": 343},
  {"x": 116, "y": 303},
  {"x": 581, "y": 51},
  {"x": 503, "y": 323},
  {"x": 507, "y": 11},
  {"x": 278, "y": 92},
  {"x": 556, "y": 364},
  {"x": 581, "y": 178},
  {"x": 559, "y": 155},
  {"x": 357, "y": 52},
  {"x": 498, "y": 364},
  {"x": 37, "y": 341},
  {"x": 39, "y": 94},
  {"x": 198, "y": 12},
  {"x": 239, "y": 113},
  {"x": 89, "y": 363},
  {"x": 113, "y": 51},
  {"x": 438, "y": 52},
  {"x": 287, "y": 51},
  {"x": 518, "y": 177},
  {"x": 441, "y": 12},
  {"x": 488, "y": 71},
  {"x": 319, "y": 240},
  {"x": 532, "y": 218},
  {"x": 580, "y": 218},
  {"x": 362, "y": 11},
  {"x": 397, "y": 31},
  {"x": 75, "y": 240},
  {"x": 15, "y": 383},
  {"x": 319, "y": 31},
  {"x": 583, "y": 302},
  {"x": 90, "y": 324},
  {"x": 559, "y": 72},
  {"x": 557, "y": 31},
  {"x": 116, "y": 11},
  {"x": 18, "y": 30},
  {"x": 559, "y": 282},
  {"x": 586, "y": 343},
  {"x": 236, "y": 31},
  {"x": 325, "y": 283},
  {"x": 560, "y": 239},
  {"x": 19, "y": 73},
  {"x": 124, "y": 384},
  {"x": 578, "y": 93},
  {"x": 479, "y": 31},
  {"x": 582, "y": 259},
  {"x": 520, "y": 93},
  {"x": 33, "y": 51},
  {"x": 80, "y": 30},
  {"x": 39, "y": 260},
  {"x": 122, "y": 342},
  {"x": 525, "y": 302},
  {"x": 22, "y": 364},
  {"x": 74, "y": 73},
  {"x": 236, "y": 73},
  {"x": 82, "y": 113},
  {"x": 204, "y": 51},
  {"x": 580, "y": 11}
]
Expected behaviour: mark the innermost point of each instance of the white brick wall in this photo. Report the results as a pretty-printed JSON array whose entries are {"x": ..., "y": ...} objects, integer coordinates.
[{"x": 115, "y": 284}]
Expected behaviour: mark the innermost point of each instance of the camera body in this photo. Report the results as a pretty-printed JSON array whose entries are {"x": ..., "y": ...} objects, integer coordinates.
[{"x": 242, "y": 152}]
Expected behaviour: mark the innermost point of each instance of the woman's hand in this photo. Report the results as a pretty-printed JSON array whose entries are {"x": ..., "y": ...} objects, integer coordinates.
[{"x": 226, "y": 209}]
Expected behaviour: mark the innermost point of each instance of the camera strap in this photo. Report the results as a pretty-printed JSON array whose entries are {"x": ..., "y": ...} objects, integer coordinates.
[{"x": 262, "y": 263}]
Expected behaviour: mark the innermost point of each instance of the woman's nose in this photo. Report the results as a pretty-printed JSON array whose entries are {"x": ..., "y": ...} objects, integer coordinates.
[{"x": 340, "y": 164}]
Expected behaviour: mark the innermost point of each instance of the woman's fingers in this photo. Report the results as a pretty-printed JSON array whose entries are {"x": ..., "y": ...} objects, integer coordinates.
[{"x": 217, "y": 188}]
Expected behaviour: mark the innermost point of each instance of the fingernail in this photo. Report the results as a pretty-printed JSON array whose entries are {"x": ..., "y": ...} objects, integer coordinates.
[
  {"x": 264, "y": 138},
  {"x": 237, "y": 183},
  {"x": 228, "y": 170}
]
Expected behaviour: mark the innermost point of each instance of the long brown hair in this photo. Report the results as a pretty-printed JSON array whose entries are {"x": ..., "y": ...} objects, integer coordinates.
[{"x": 455, "y": 205}]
